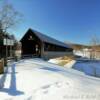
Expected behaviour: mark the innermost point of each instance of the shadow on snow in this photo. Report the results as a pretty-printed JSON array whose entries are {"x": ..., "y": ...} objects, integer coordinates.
[{"x": 12, "y": 90}]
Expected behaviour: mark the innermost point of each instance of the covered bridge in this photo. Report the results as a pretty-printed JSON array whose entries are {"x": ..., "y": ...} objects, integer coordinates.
[{"x": 39, "y": 45}]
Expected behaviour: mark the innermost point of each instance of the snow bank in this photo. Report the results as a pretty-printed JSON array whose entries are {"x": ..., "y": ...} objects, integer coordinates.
[
  {"x": 61, "y": 62},
  {"x": 55, "y": 61},
  {"x": 88, "y": 67},
  {"x": 70, "y": 64}
]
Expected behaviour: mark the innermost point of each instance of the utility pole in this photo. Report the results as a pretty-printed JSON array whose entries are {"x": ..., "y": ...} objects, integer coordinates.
[{"x": 6, "y": 50}]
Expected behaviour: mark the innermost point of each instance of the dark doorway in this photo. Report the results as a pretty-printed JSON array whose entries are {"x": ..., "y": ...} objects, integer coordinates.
[
  {"x": 31, "y": 45},
  {"x": 31, "y": 48}
]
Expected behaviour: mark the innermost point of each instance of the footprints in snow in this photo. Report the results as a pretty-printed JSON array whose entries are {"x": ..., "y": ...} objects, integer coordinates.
[{"x": 51, "y": 87}]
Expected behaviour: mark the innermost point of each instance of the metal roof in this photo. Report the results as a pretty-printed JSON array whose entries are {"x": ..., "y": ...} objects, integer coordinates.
[{"x": 48, "y": 39}]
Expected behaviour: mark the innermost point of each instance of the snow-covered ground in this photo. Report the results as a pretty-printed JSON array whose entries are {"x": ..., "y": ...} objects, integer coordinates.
[
  {"x": 88, "y": 67},
  {"x": 35, "y": 79},
  {"x": 55, "y": 61},
  {"x": 83, "y": 53}
]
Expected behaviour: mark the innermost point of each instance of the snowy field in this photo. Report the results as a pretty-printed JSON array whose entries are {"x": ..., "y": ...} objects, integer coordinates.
[
  {"x": 35, "y": 79},
  {"x": 89, "y": 67}
]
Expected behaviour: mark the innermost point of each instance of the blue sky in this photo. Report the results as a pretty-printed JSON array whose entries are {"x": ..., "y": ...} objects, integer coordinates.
[{"x": 66, "y": 20}]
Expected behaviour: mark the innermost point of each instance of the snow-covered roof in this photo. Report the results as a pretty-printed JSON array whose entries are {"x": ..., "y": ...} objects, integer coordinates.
[{"x": 48, "y": 39}]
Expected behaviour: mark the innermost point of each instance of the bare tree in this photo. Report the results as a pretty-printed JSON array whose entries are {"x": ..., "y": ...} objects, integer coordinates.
[
  {"x": 95, "y": 47},
  {"x": 94, "y": 40},
  {"x": 9, "y": 17}
]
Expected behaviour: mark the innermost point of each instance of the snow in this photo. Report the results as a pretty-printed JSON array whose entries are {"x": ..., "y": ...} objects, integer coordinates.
[
  {"x": 54, "y": 61},
  {"x": 88, "y": 67},
  {"x": 67, "y": 65},
  {"x": 70, "y": 64},
  {"x": 35, "y": 79},
  {"x": 83, "y": 53}
]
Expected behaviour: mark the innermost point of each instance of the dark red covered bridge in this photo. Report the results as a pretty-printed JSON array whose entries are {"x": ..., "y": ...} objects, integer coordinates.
[{"x": 39, "y": 45}]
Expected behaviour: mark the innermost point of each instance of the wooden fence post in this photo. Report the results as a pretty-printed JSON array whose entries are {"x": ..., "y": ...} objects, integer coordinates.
[{"x": 2, "y": 66}]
